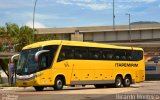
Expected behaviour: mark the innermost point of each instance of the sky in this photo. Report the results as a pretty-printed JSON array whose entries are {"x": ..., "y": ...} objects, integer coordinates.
[{"x": 77, "y": 13}]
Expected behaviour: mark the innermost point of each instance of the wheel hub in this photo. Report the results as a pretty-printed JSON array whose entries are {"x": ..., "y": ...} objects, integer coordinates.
[
  {"x": 127, "y": 81},
  {"x": 59, "y": 83},
  {"x": 119, "y": 82}
]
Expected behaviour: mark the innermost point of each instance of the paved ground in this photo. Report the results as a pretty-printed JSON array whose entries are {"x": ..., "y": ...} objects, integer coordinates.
[{"x": 141, "y": 91}]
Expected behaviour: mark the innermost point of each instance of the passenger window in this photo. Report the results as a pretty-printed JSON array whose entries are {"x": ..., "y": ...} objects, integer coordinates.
[
  {"x": 95, "y": 54},
  {"x": 81, "y": 53},
  {"x": 62, "y": 56},
  {"x": 129, "y": 55},
  {"x": 107, "y": 54},
  {"x": 43, "y": 62},
  {"x": 137, "y": 55},
  {"x": 46, "y": 59},
  {"x": 67, "y": 52},
  {"x": 120, "y": 55},
  {"x": 117, "y": 57},
  {"x": 123, "y": 57}
]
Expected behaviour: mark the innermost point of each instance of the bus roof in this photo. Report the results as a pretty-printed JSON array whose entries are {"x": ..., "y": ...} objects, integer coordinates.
[{"x": 76, "y": 43}]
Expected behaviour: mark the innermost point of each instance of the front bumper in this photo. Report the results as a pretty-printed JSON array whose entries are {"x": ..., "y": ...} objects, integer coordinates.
[{"x": 28, "y": 80}]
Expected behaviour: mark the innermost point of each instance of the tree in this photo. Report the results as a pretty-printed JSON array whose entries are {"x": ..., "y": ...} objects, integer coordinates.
[
  {"x": 24, "y": 37},
  {"x": 17, "y": 36},
  {"x": 2, "y": 31}
]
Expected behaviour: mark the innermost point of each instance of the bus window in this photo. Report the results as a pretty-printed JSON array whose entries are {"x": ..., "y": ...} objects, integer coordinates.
[
  {"x": 129, "y": 55},
  {"x": 81, "y": 53},
  {"x": 46, "y": 59},
  {"x": 43, "y": 63},
  {"x": 120, "y": 55},
  {"x": 137, "y": 55},
  {"x": 107, "y": 54},
  {"x": 67, "y": 52},
  {"x": 62, "y": 56},
  {"x": 95, "y": 54}
]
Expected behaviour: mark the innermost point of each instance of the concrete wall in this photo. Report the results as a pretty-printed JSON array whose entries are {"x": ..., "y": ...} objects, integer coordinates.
[
  {"x": 88, "y": 36},
  {"x": 156, "y": 34},
  {"x": 77, "y": 36},
  {"x": 136, "y": 35},
  {"x": 122, "y": 35},
  {"x": 146, "y": 34},
  {"x": 98, "y": 36},
  {"x": 110, "y": 36}
]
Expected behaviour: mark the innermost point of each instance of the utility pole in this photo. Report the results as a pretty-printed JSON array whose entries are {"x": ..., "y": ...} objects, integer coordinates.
[
  {"x": 129, "y": 23},
  {"x": 113, "y": 17},
  {"x": 34, "y": 10}
]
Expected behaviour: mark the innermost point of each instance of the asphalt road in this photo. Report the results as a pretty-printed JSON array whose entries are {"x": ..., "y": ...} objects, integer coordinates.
[{"x": 148, "y": 90}]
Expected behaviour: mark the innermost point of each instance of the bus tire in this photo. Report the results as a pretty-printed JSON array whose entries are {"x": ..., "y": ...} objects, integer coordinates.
[
  {"x": 127, "y": 81},
  {"x": 118, "y": 81},
  {"x": 58, "y": 84},
  {"x": 38, "y": 88},
  {"x": 99, "y": 86}
]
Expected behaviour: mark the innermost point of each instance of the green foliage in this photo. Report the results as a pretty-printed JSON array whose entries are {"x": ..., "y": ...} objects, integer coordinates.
[
  {"x": 12, "y": 29},
  {"x": 5, "y": 61},
  {"x": 17, "y": 36},
  {"x": 2, "y": 31}
]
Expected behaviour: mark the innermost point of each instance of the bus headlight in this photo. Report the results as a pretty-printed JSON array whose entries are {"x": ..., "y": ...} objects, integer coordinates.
[{"x": 25, "y": 77}]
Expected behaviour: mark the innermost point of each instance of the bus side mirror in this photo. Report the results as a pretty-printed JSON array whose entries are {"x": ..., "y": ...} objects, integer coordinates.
[
  {"x": 39, "y": 53},
  {"x": 13, "y": 57}
]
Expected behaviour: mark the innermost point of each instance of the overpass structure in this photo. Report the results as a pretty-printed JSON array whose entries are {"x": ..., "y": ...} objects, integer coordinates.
[{"x": 146, "y": 36}]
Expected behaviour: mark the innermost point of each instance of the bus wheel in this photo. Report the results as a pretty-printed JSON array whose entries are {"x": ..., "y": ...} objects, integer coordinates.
[
  {"x": 118, "y": 81},
  {"x": 58, "y": 85},
  {"x": 38, "y": 88},
  {"x": 127, "y": 81},
  {"x": 99, "y": 85}
]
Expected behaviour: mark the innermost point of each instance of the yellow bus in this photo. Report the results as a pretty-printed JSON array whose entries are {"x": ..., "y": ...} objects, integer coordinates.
[{"x": 58, "y": 62}]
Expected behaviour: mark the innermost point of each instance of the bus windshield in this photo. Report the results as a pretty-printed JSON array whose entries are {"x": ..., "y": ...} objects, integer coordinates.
[{"x": 27, "y": 64}]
